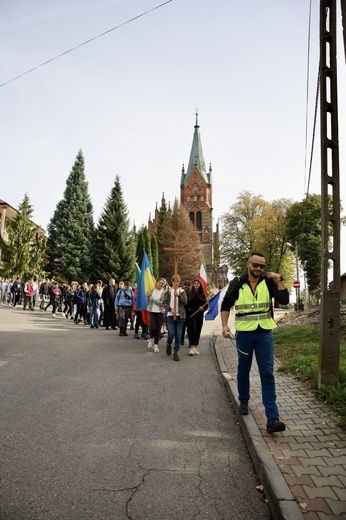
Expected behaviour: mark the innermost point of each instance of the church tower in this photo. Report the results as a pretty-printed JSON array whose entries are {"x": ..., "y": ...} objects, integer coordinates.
[{"x": 196, "y": 197}]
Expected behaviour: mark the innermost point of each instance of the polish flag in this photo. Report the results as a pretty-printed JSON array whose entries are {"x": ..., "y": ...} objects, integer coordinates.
[{"x": 202, "y": 277}]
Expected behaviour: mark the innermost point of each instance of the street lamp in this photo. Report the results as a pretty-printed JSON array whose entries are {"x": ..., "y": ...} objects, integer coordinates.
[{"x": 295, "y": 247}]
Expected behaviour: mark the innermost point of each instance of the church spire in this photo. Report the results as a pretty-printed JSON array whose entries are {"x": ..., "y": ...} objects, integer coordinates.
[{"x": 196, "y": 157}]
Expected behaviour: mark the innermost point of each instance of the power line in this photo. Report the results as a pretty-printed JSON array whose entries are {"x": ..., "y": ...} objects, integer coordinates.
[
  {"x": 307, "y": 93},
  {"x": 84, "y": 43}
]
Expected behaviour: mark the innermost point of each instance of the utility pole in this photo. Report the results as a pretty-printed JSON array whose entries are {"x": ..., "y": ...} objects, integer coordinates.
[
  {"x": 343, "y": 14},
  {"x": 329, "y": 354}
]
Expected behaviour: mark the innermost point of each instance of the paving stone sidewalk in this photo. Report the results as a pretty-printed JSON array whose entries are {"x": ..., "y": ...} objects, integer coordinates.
[{"x": 310, "y": 455}]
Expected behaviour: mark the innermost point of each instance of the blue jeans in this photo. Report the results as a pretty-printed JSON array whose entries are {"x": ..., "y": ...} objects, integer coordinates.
[
  {"x": 94, "y": 316},
  {"x": 262, "y": 344},
  {"x": 174, "y": 328}
]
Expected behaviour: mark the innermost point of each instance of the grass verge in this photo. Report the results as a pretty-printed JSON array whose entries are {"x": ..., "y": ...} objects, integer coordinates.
[{"x": 297, "y": 348}]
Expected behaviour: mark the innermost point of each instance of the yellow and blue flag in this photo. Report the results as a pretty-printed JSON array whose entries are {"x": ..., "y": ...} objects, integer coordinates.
[{"x": 145, "y": 284}]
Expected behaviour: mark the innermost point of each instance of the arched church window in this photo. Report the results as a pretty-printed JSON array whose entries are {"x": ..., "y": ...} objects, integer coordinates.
[
  {"x": 192, "y": 217},
  {"x": 199, "y": 220}
]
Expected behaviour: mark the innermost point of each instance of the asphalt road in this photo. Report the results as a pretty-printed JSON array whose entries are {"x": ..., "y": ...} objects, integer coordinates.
[{"x": 93, "y": 426}]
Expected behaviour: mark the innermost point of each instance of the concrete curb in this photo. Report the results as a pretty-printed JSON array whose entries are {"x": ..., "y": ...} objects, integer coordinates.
[{"x": 281, "y": 501}]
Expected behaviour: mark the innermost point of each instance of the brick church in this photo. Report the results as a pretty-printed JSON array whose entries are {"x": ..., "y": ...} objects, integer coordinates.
[{"x": 196, "y": 196}]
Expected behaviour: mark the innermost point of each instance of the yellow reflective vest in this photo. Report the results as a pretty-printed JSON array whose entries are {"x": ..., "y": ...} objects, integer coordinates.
[{"x": 253, "y": 310}]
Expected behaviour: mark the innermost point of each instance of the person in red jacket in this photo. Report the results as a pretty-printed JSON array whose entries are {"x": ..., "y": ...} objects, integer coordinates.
[{"x": 29, "y": 291}]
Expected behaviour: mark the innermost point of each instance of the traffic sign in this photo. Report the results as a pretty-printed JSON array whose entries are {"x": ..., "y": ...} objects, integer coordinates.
[{"x": 296, "y": 284}]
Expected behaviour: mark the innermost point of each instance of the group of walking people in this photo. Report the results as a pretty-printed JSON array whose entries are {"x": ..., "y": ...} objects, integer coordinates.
[
  {"x": 173, "y": 310},
  {"x": 181, "y": 308}
]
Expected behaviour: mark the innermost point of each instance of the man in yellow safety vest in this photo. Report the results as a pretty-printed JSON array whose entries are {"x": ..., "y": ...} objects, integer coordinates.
[{"x": 252, "y": 295}]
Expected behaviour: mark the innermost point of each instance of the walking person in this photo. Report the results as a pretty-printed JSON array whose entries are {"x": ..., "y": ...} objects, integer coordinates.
[
  {"x": 9, "y": 294},
  {"x": 16, "y": 291},
  {"x": 94, "y": 306},
  {"x": 156, "y": 314},
  {"x": 44, "y": 293},
  {"x": 64, "y": 300},
  {"x": 187, "y": 288},
  {"x": 123, "y": 305},
  {"x": 2, "y": 288},
  {"x": 69, "y": 313},
  {"x": 55, "y": 298},
  {"x": 29, "y": 291},
  {"x": 50, "y": 296},
  {"x": 196, "y": 306},
  {"x": 81, "y": 302},
  {"x": 34, "y": 298},
  {"x": 109, "y": 293},
  {"x": 174, "y": 300},
  {"x": 139, "y": 322},
  {"x": 252, "y": 296}
]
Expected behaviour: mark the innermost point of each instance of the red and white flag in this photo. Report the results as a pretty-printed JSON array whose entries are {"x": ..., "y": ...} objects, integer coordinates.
[{"x": 202, "y": 277}]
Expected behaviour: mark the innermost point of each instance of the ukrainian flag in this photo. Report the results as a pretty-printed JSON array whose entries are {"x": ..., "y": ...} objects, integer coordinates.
[{"x": 145, "y": 284}]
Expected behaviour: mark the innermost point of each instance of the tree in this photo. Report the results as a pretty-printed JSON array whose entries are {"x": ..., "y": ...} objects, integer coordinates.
[
  {"x": 179, "y": 225},
  {"x": 304, "y": 227},
  {"x": 24, "y": 252},
  {"x": 272, "y": 239},
  {"x": 140, "y": 247},
  {"x": 71, "y": 229},
  {"x": 114, "y": 251},
  {"x": 155, "y": 256},
  {"x": 164, "y": 215},
  {"x": 143, "y": 242},
  {"x": 254, "y": 224},
  {"x": 238, "y": 235}
]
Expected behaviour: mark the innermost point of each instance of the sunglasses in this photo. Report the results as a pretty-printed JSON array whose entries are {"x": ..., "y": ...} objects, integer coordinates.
[{"x": 261, "y": 266}]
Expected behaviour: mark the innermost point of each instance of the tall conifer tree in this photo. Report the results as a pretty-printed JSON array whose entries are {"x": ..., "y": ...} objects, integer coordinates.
[
  {"x": 71, "y": 228},
  {"x": 114, "y": 245},
  {"x": 140, "y": 247}
]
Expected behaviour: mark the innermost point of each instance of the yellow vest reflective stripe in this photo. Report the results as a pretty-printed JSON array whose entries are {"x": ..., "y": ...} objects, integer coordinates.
[{"x": 252, "y": 310}]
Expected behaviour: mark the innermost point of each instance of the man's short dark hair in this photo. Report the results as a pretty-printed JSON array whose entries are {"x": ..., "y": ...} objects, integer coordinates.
[{"x": 255, "y": 253}]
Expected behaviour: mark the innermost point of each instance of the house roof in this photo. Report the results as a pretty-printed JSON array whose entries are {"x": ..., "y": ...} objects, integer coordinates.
[{"x": 3, "y": 203}]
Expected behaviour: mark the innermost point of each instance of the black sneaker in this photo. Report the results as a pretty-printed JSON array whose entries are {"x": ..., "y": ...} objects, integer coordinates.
[
  {"x": 168, "y": 349},
  {"x": 175, "y": 356},
  {"x": 243, "y": 408},
  {"x": 274, "y": 425}
]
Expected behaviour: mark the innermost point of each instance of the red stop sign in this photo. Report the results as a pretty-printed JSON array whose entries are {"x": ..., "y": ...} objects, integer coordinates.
[{"x": 296, "y": 284}]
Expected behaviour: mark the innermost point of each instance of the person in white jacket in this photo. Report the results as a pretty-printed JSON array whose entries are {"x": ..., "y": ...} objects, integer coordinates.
[{"x": 156, "y": 314}]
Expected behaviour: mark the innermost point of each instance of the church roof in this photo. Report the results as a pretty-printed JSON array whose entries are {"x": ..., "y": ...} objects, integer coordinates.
[{"x": 196, "y": 158}]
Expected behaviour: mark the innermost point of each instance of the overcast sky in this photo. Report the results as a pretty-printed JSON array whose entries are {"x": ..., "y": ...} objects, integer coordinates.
[{"x": 128, "y": 99}]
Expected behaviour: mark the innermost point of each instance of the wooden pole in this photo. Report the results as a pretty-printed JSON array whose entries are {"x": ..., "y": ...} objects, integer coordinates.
[{"x": 175, "y": 250}]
